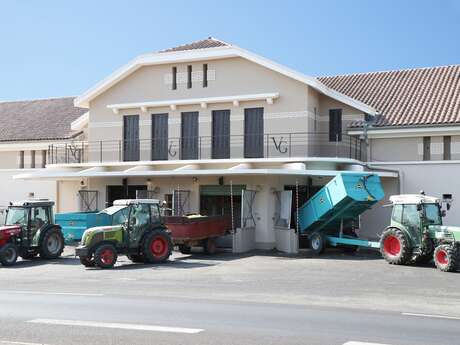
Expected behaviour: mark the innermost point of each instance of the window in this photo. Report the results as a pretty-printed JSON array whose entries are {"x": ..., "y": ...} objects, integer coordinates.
[
  {"x": 21, "y": 159},
  {"x": 38, "y": 218},
  {"x": 189, "y": 76},
  {"x": 155, "y": 212},
  {"x": 411, "y": 217},
  {"x": 397, "y": 213},
  {"x": 446, "y": 148},
  {"x": 335, "y": 125},
  {"x": 140, "y": 215},
  {"x": 426, "y": 148},
  {"x": 174, "y": 78},
  {"x": 315, "y": 120},
  {"x": 17, "y": 216},
  {"x": 432, "y": 214},
  {"x": 43, "y": 158},
  {"x": 32, "y": 159},
  {"x": 167, "y": 210},
  {"x": 205, "y": 75}
]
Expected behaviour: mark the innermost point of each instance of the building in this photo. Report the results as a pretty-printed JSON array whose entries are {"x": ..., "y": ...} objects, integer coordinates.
[
  {"x": 27, "y": 130},
  {"x": 212, "y": 128}
]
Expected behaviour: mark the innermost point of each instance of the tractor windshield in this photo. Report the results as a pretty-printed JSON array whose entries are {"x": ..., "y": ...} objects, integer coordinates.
[
  {"x": 17, "y": 216},
  {"x": 432, "y": 214}
]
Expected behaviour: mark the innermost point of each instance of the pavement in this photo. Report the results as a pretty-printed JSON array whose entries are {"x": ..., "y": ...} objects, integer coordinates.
[{"x": 258, "y": 298}]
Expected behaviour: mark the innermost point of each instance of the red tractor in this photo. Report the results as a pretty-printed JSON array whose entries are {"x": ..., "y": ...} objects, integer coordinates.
[{"x": 29, "y": 231}]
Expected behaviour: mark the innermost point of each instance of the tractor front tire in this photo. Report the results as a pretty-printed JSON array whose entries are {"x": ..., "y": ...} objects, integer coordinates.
[
  {"x": 157, "y": 246},
  {"x": 105, "y": 256},
  {"x": 9, "y": 254},
  {"x": 446, "y": 257},
  {"x": 52, "y": 244},
  {"x": 317, "y": 242},
  {"x": 395, "y": 247}
]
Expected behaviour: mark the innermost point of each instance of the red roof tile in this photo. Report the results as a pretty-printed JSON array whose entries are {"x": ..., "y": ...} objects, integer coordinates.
[
  {"x": 202, "y": 44},
  {"x": 421, "y": 96}
]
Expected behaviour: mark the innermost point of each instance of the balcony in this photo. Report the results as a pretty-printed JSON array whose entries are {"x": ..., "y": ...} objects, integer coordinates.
[{"x": 270, "y": 145}]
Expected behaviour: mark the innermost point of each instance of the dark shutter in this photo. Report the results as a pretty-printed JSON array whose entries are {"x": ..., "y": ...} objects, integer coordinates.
[
  {"x": 174, "y": 78},
  {"x": 335, "y": 125},
  {"x": 159, "y": 137},
  {"x": 426, "y": 148},
  {"x": 131, "y": 138},
  {"x": 221, "y": 134},
  {"x": 205, "y": 75},
  {"x": 254, "y": 133},
  {"x": 189, "y": 135},
  {"x": 189, "y": 77},
  {"x": 447, "y": 148}
]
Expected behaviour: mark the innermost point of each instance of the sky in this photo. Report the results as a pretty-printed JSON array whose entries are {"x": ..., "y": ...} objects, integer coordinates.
[{"x": 62, "y": 48}]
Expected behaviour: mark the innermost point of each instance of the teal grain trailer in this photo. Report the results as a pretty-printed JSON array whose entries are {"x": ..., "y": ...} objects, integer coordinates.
[{"x": 331, "y": 216}]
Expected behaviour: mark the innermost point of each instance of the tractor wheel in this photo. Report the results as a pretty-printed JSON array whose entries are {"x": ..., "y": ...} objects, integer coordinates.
[
  {"x": 395, "y": 247},
  {"x": 185, "y": 249},
  {"x": 8, "y": 254},
  {"x": 157, "y": 246},
  {"x": 136, "y": 258},
  {"x": 317, "y": 242},
  {"x": 446, "y": 258},
  {"x": 87, "y": 261},
  {"x": 29, "y": 255},
  {"x": 52, "y": 244},
  {"x": 209, "y": 246},
  {"x": 105, "y": 256}
]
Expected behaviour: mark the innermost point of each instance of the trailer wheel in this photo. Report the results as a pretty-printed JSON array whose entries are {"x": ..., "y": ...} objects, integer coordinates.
[
  {"x": 395, "y": 247},
  {"x": 157, "y": 246},
  {"x": 105, "y": 256},
  {"x": 210, "y": 246},
  {"x": 185, "y": 249},
  {"x": 317, "y": 242},
  {"x": 446, "y": 258},
  {"x": 8, "y": 254},
  {"x": 52, "y": 244}
]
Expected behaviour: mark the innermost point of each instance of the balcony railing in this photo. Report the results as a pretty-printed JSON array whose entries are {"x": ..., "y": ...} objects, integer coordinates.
[{"x": 272, "y": 145}]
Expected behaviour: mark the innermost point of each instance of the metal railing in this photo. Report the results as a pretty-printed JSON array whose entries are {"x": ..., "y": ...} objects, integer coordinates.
[{"x": 269, "y": 145}]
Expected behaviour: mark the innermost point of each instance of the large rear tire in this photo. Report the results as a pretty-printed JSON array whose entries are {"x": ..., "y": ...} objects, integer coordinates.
[
  {"x": 446, "y": 257},
  {"x": 52, "y": 244},
  {"x": 395, "y": 247},
  {"x": 157, "y": 246},
  {"x": 105, "y": 256},
  {"x": 8, "y": 254}
]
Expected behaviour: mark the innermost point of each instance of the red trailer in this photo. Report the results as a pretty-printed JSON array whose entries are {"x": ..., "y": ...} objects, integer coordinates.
[{"x": 197, "y": 230}]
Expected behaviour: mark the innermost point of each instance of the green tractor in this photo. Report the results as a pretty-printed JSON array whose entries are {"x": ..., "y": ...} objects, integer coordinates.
[
  {"x": 416, "y": 233},
  {"x": 142, "y": 237}
]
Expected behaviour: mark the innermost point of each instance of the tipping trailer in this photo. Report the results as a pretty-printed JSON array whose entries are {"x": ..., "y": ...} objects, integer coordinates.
[{"x": 331, "y": 216}]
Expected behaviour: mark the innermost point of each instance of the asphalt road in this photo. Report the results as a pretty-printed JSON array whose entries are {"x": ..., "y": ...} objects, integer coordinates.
[{"x": 269, "y": 299}]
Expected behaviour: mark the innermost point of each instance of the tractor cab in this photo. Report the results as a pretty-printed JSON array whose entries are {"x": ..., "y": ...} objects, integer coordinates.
[{"x": 29, "y": 230}]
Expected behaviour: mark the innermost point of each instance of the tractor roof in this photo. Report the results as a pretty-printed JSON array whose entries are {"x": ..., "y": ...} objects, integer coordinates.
[
  {"x": 413, "y": 199},
  {"x": 126, "y": 202},
  {"x": 32, "y": 203}
]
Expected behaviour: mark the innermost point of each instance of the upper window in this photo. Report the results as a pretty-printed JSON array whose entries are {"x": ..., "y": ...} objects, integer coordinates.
[
  {"x": 335, "y": 125},
  {"x": 426, "y": 148},
  {"x": 174, "y": 78},
  {"x": 189, "y": 76},
  {"x": 447, "y": 148},
  {"x": 205, "y": 75}
]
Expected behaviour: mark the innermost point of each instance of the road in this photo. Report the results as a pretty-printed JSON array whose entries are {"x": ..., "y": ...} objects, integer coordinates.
[{"x": 228, "y": 300}]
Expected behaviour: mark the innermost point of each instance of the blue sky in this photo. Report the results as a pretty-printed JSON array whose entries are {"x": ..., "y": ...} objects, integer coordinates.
[{"x": 61, "y": 48}]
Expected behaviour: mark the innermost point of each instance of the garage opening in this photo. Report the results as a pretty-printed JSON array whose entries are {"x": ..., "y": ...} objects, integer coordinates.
[
  {"x": 122, "y": 192},
  {"x": 215, "y": 200}
]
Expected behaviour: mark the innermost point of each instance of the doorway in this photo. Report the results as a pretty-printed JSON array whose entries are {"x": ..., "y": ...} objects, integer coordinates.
[{"x": 122, "y": 192}]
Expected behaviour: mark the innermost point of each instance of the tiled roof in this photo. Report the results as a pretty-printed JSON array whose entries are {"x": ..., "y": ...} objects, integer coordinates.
[
  {"x": 44, "y": 119},
  {"x": 210, "y": 42},
  {"x": 413, "y": 97}
]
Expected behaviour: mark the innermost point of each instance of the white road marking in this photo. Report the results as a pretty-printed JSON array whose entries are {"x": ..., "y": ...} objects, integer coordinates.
[
  {"x": 361, "y": 343},
  {"x": 57, "y": 293},
  {"x": 7, "y": 342},
  {"x": 150, "y": 328},
  {"x": 432, "y": 316}
]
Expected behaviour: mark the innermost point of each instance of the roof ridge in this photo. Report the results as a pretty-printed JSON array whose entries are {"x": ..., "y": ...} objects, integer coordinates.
[
  {"x": 209, "y": 38},
  {"x": 387, "y": 71},
  {"x": 36, "y": 99}
]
